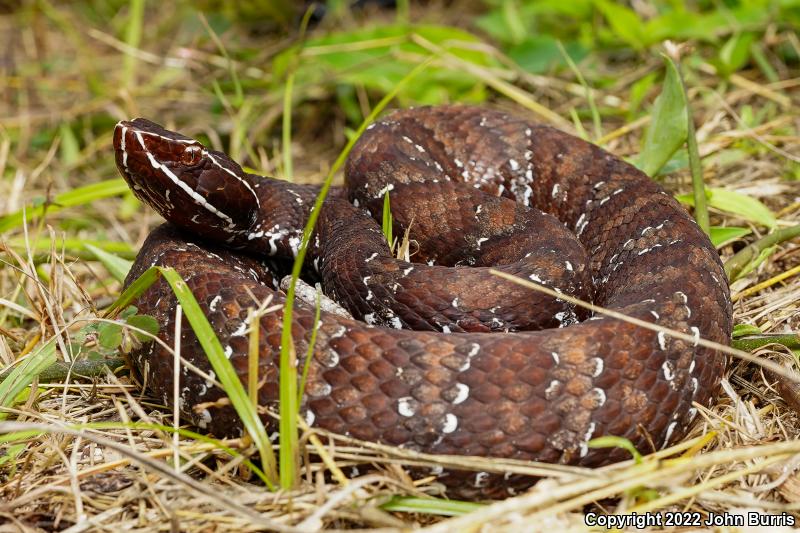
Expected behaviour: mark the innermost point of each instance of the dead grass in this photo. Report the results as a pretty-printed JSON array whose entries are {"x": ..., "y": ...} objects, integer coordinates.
[{"x": 61, "y": 86}]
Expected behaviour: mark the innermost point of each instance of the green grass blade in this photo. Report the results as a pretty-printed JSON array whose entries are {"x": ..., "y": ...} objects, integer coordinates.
[
  {"x": 310, "y": 352},
  {"x": 610, "y": 441},
  {"x": 116, "y": 266},
  {"x": 222, "y": 368},
  {"x": 24, "y": 374},
  {"x": 133, "y": 36},
  {"x": 386, "y": 225},
  {"x": 133, "y": 291},
  {"x": 79, "y": 196},
  {"x": 288, "y": 372}
]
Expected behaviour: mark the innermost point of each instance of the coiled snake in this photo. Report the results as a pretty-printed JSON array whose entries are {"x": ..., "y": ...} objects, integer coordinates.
[{"x": 462, "y": 178}]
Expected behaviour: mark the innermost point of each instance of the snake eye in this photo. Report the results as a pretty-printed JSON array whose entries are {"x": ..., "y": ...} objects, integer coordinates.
[{"x": 191, "y": 155}]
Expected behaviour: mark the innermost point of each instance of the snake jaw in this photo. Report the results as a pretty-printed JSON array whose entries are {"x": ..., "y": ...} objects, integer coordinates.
[{"x": 199, "y": 189}]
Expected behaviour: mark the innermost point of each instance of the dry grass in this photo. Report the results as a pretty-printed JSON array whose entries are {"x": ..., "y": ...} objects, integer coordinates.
[{"x": 62, "y": 88}]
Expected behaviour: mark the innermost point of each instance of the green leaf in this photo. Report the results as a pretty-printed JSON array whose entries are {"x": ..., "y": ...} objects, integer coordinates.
[
  {"x": 109, "y": 335},
  {"x": 146, "y": 323},
  {"x": 734, "y": 54},
  {"x": 721, "y": 236},
  {"x": 736, "y": 203},
  {"x": 24, "y": 374},
  {"x": 624, "y": 22},
  {"x": 116, "y": 266},
  {"x": 741, "y": 330},
  {"x": 668, "y": 128}
]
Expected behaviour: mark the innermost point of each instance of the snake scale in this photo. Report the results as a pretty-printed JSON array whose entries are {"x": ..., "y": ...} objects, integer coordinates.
[{"x": 493, "y": 369}]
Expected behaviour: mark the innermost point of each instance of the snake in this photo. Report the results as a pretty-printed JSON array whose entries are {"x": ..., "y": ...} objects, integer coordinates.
[{"x": 441, "y": 355}]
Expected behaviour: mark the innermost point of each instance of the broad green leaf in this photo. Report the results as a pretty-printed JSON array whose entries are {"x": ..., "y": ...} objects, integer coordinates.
[
  {"x": 721, "y": 236},
  {"x": 739, "y": 204},
  {"x": 540, "y": 53},
  {"x": 669, "y": 127},
  {"x": 624, "y": 22},
  {"x": 146, "y": 323},
  {"x": 116, "y": 266},
  {"x": 109, "y": 335},
  {"x": 24, "y": 374}
]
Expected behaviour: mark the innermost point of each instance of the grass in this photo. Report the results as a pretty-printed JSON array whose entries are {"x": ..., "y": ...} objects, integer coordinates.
[{"x": 99, "y": 453}]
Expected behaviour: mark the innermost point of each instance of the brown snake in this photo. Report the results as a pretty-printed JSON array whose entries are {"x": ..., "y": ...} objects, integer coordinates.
[{"x": 462, "y": 178}]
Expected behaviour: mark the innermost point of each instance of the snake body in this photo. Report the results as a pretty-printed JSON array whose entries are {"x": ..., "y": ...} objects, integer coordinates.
[{"x": 477, "y": 187}]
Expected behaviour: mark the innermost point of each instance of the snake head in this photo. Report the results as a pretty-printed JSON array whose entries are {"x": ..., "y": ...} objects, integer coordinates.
[{"x": 195, "y": 188}]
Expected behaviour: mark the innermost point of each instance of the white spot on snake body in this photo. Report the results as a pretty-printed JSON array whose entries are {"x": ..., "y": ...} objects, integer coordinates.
[
  {"x": 420, "y": 149},
  {"x": 406, "y": 406},
  {"x": 555, "y": 357},
  {"x": 552, "y": 389},
  {"x": 555, "y": 190},
  {"x": 694, "y": 385},
  {"x": 446, "y": 329},
  {"x": 695, "y": 335},
  {"x": 395, "y": 323},
  {"x": 662, "y": 340},
  {"x": 691, "y": 366},
  {"x": 370, "y": 319},
  {"x": 205, "y": 418},
  {"x": 598, "y": 365},
  {"x": 670, "y": 429},
  {"x": 480, "y": 479},
  {"x": 478, "y": 209},
  {"x": 450, "y": 423},
  {"x": 513, "y": 164},
  {"x": 240, "y": 330},
  {"x": 214, "y": 302},
  {"x": 568, "y": 265},
  {"x": 407, "y": 139},
  {"x": 462, "y": 393},
  {"x": 369, "y": 296},
  {"x": 408, "y": 271},
  {"x": 655, "y": 315},
  {"x": 536, "y": 278},
  {"x": 382, "y": 192},
  {"x": 310, "y": 417},
  {"x": 599, "y": 395},
  {"x": 580, "y": 225},
  {"x": 330, "y": 358},
  {"x": 669, "y": 370},
  {"x": 481, "y": 241},
  {"x": 454, "y": 303}
]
